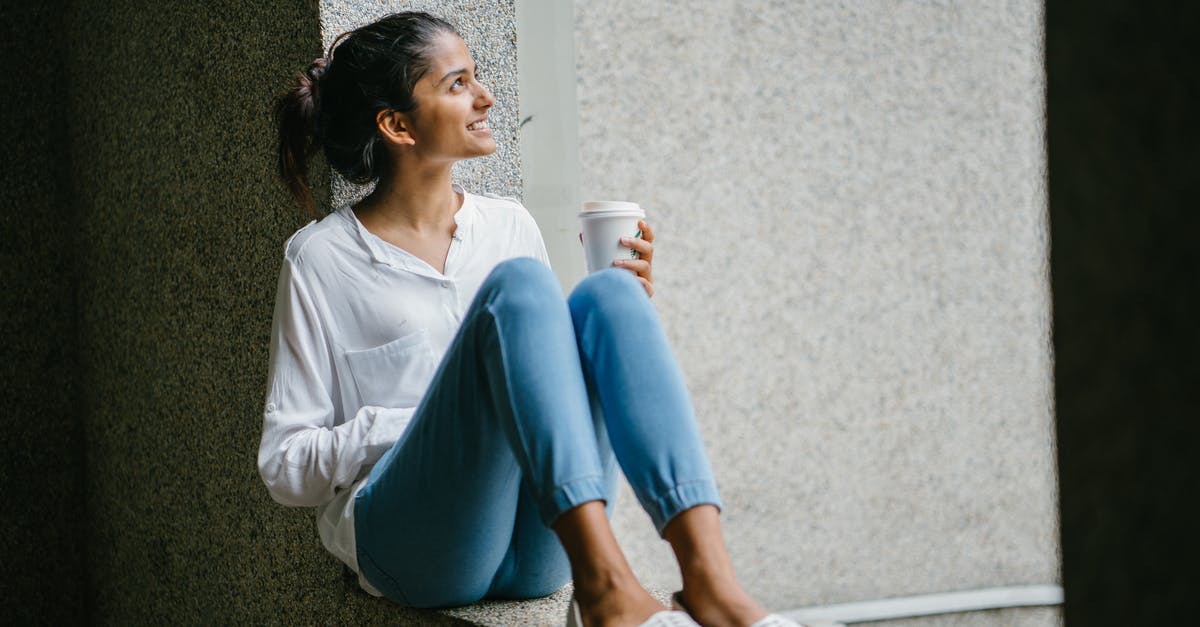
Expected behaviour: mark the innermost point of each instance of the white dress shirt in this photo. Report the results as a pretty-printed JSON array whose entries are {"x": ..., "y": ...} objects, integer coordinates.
[{"x": 360, "y": 326}]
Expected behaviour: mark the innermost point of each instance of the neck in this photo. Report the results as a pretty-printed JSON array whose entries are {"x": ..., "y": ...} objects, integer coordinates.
[{"x": 413, "y": 198}]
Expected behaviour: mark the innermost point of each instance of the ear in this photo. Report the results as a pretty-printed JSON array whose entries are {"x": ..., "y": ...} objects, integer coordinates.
[{"x": 395, "y": 127}]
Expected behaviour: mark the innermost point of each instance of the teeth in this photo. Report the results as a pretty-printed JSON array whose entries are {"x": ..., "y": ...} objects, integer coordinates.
[{"x": 475, "y": 126}]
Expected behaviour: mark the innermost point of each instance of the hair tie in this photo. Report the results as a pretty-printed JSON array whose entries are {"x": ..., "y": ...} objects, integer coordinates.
[{"x": 316, "y": 69}]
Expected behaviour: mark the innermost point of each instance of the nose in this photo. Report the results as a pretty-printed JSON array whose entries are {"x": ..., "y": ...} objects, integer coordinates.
[{"x": 484, "y": 99}]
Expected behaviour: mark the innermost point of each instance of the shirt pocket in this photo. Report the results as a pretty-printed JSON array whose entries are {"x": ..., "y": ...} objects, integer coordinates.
[{"x": 393, "y": 374}]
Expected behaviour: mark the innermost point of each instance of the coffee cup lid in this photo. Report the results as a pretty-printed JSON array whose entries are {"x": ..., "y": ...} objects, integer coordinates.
[{"x": 611, "y": 208}]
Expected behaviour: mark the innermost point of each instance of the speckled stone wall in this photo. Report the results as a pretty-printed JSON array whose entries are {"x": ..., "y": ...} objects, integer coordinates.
[
  {"x": 182, "y": 226},
  {"x": 41, "y": 459},
  {"x": 489, "y": 29},
  {"x": 852, "y": 267}
]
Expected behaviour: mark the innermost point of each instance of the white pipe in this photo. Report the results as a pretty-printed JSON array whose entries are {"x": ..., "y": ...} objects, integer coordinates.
[{"x": 929, "y": 604}]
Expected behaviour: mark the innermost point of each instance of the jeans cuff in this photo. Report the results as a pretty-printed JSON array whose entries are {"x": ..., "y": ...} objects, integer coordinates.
[
  {"x": 683, "y": 496},
  {"x": 571, "y": 494}
]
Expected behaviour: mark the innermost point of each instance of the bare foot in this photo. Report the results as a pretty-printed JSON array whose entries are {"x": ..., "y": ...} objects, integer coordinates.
[
  {"x": 615, "y": 604},
  {"x": 607, "y": 591},
  {"x": 726, "y": 604},
  {"x": 711, "y": 592}
]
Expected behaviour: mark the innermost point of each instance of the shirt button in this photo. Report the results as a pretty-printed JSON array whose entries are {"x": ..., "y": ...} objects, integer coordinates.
[{"x": 446, "y": 284}]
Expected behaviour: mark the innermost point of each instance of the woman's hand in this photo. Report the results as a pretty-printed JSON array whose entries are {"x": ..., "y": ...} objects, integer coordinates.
[{"x": 645, "y": 250}]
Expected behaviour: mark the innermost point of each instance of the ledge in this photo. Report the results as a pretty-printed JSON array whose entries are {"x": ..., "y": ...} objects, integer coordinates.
[{"x": 549, "y": 611}]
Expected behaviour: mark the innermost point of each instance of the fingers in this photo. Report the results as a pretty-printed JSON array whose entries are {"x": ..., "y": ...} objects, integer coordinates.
[
  {"x": 640, "y": 267},
  {"x": 644, "y": 248},
  {"x": 647, "y": 232},
  {"x": 647, "y": 285}
]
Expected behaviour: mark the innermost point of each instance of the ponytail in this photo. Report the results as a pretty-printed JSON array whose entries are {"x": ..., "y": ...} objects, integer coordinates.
[{"x": 299, "y": 139}]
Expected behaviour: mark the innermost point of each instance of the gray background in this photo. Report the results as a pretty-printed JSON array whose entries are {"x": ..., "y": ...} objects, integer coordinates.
[{"x": 852, "y": 268}]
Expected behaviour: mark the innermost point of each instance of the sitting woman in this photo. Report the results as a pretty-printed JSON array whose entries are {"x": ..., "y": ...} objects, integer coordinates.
[{"x": 456, "y": 421}]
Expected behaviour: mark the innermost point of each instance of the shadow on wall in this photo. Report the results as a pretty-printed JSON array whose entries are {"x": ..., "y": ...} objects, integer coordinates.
[
  {"x": 144, "y": 231},
  {"x": 41, "y": 465},
  {"x": 1123, "y": 159}
]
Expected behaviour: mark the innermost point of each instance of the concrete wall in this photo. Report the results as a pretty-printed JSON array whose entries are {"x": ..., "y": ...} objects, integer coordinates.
[
  {"x": 41, "y": 460},
  {"x": 852, "y": 267},
  {"x": 181, "y": 229},
  {"x": 182, "y": 225}
]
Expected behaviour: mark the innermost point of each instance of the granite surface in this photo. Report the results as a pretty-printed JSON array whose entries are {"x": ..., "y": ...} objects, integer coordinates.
[
  {"x": 549, "y": 611},
  {"x": 852, "y": 268},
  {"x": 41, "y": 459},
  {"x": 181, "y": 228},
  {"x": 182, "y": 224},
  {"x": 1008, "y": 617}
]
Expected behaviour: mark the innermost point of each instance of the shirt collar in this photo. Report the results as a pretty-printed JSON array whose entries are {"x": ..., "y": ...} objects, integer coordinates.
[
  {"x": 465, "y": 216},
  {"x": 382, "y": 252}
]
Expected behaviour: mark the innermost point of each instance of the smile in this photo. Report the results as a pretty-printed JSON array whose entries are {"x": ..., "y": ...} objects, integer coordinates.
[{"x": 481, "y": 125}]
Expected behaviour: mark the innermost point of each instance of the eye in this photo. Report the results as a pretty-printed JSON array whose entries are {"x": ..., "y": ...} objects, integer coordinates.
[{"x": 458, "y": 83}]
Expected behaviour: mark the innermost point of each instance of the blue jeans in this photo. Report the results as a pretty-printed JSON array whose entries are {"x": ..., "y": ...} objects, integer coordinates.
[{"x": 533, "y": 401}]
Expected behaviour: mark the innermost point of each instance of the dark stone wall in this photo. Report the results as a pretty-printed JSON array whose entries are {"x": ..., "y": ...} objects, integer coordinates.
[
  {"x": 41, "y": 459},
  {"x": 1124, "y": 179},
  {"x": 181, "y": 225}
]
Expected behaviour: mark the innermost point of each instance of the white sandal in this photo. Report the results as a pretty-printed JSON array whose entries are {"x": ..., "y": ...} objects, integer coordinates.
[
  {"x": 770, "y": 620},
  {"x": 665, "y": 618}
]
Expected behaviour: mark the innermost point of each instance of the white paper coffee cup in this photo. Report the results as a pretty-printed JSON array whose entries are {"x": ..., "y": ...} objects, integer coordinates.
[{"x": 604, "y": 223}]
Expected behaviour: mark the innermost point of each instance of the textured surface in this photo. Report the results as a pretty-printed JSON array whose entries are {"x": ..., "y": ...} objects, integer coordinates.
[
  {"x": 489, "y": 29},
  {"x": 183, "y": 225},
  {"x": 42, "y": 456},
  {"x": 1010, "y": 617},
  {"x": 852, "y": 259},
  {"x": 545, "y": 612}
]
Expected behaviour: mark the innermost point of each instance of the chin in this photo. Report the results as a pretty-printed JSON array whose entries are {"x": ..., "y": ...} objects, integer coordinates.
[{"x": 478, "y": 149}]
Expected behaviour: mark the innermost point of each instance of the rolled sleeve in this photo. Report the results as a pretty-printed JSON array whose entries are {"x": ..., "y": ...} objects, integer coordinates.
[{"x": 303, "y": 457}]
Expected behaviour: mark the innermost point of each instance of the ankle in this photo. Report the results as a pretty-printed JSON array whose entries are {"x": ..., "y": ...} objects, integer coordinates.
[
  {"x": 594, "y": 586},
  {"x": 621, "y": 603},
  {"x": 708, "y": 576},
  {"x": 721, "y": 606}
]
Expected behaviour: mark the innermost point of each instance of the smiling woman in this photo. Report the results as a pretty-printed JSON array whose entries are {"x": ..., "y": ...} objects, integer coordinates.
[{"x": 456, "y": 421}]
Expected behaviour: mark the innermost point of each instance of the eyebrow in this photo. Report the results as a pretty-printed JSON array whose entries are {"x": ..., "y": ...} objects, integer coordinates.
[{"x": 461, "y": 70}]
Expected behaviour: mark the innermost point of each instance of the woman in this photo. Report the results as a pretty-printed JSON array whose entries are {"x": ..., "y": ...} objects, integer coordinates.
[{"x": 456, "y": 422}]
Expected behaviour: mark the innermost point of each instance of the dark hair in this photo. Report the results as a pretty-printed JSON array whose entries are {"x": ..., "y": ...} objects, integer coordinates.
[{"x": 332, "y": 105}]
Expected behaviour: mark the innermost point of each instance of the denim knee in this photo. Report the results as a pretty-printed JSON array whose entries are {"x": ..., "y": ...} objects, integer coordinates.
[
  {"x": 614, "y": 293},
  {"x": 521, "y": 281},
  {"x": 533, "y": 581}
]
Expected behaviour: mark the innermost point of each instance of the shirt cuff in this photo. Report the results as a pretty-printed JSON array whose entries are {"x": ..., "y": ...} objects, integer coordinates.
[{"x": 387, "y": 425}]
